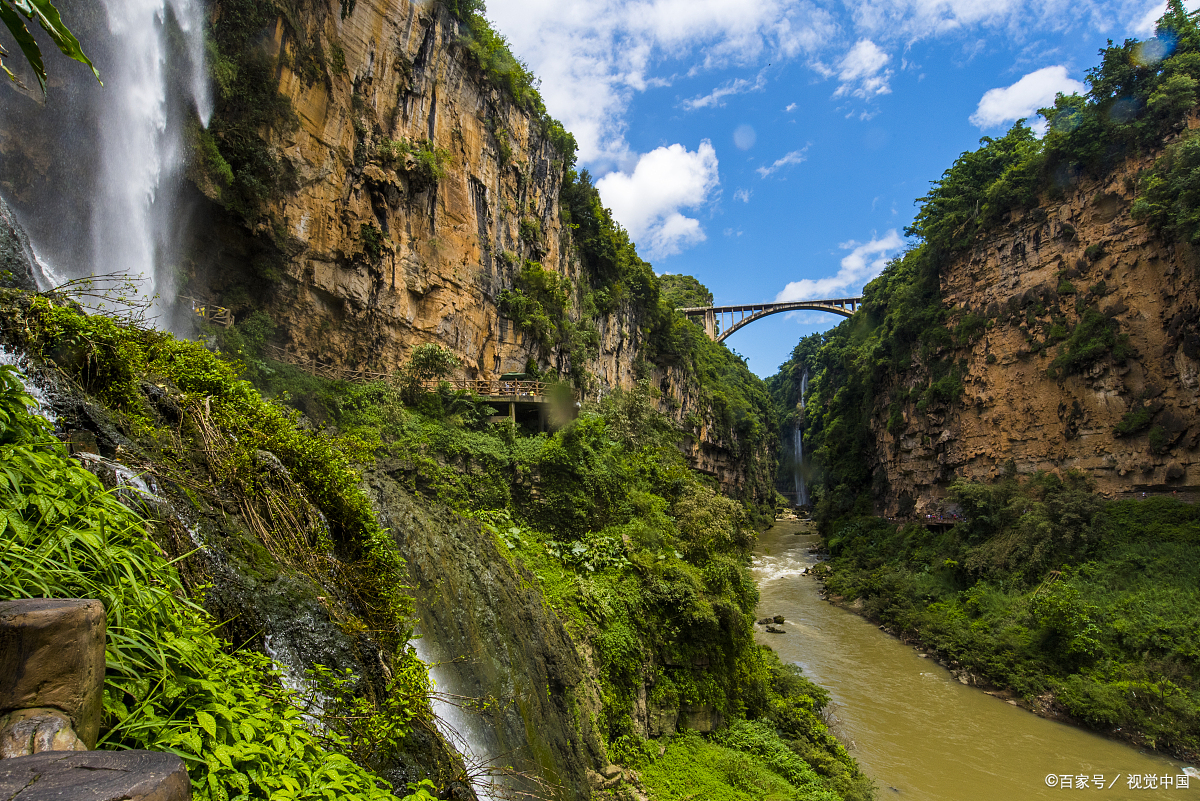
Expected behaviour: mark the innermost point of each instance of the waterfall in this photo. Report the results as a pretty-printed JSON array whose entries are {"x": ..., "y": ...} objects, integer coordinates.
[
  {"x": 463, "y": 729},
  {"x": 110, "y": 200},
  {"x": 798, "y": 449}
]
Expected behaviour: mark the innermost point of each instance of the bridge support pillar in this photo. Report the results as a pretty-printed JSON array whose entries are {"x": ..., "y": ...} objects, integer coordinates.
[{"x": 710, "y": 324}]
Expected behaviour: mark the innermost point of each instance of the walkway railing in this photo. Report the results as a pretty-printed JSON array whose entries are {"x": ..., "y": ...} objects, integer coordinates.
[
  {"x": 213, "y": 314},
  {"x": 493, "y": 387}
]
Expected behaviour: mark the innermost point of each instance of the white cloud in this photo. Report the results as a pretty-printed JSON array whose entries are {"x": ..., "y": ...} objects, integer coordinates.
[
  {"x": 790, "y": 107},
  {"x": 865, "y": 261},
  {"x": 743, "y": 195},
  {"x": 862, "y": 71},
  {"x": 648, "y": 199},
  {"x": 717, "y": 96},
  {"x": 1023, "y": 98},
  {"x": 593, "y": 56},
  {"x": 1145, "y": 25},
  {"x": 795, "y": 157}
]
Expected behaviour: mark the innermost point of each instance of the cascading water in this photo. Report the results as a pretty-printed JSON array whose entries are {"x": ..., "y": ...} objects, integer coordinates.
[
  {"x": 142, "y": 155},
  {"x": 798, "y": 450},
  {"x": 108, "y": 200}
]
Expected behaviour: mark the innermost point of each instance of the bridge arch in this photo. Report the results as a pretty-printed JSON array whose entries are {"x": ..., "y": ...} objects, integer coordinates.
[{"x": 742, "y": 316}]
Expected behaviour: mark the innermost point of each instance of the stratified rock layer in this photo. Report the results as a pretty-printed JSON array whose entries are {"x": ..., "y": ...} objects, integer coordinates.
[{"x": 95, "y": 776}]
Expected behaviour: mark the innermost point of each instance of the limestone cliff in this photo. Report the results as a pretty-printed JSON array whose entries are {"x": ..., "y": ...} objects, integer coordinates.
[
  {"x": 415, "y": 191},
  {"x": 383, "y": 252},
  {"x": 1044, "y": 268}
]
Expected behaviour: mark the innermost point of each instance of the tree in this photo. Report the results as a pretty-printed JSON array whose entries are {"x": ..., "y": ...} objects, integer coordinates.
[{"x": 48, "y": 17}]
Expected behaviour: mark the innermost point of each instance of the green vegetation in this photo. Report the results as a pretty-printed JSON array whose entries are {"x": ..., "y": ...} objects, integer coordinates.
[
  {"x": 48, "y": 17},
  {"x": 1046, "y": 588},
  {"x": 248, "y": 173},
  {"x": 905, "y": 348},
  {"x": 684, "y": 291},
  {"x": 645, "y": 562},
  {"x": 1094, "y": 337},
  {"x": 1135, "y": 420},
  {"x": 428, "y": 162},
  {"x": 170, "y": 683},
  {"x": 1074, "y": 603},
  {"x": 617, "y": 278},
  {"x": 538, "y": 303},
  {"x": 490, "y": 52}
]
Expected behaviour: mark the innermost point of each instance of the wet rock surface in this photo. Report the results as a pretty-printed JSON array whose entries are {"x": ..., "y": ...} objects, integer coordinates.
[
  {"x": 95, "y": 776},
  {"x": 18, "y": 265},
  {"x": 500, "y": 641}
]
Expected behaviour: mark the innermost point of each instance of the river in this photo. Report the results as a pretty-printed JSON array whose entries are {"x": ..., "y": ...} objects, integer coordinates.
[{"x": 913, "y": 728}]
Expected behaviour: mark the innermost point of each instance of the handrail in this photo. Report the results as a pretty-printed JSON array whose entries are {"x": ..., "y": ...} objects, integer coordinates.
[
  {"x": 492, "y": 386},
  {"x": 209, "y": 311}
]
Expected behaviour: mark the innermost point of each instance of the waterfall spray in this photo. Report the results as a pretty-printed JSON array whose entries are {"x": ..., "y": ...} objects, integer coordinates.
[
  {"x": 108, "y": 200},
  {"x": 141, "y": 147}
]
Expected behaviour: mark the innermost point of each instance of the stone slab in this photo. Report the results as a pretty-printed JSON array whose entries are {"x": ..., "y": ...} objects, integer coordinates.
[
  {"x": 95, "y": 776},
  {"x": 52, "y": 655}
]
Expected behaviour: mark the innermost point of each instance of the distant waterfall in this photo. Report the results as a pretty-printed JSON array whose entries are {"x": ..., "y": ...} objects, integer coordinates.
[
  {"x": 798, "y": 450},
  {"x": 109, "y": 201}
]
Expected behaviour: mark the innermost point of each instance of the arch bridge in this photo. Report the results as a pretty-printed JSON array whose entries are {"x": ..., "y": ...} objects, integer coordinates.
[{"x": 740, "y": 316}]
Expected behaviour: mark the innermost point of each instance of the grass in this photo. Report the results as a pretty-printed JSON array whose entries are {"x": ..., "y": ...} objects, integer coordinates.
[{"x": 693, "y": 768}]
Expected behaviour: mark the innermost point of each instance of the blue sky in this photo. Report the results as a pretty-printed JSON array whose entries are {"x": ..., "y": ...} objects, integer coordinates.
[{"x": 774, "y": 148}]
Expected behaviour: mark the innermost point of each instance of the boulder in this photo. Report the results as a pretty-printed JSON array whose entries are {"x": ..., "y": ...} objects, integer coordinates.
[
  {"x": 18, "y": 266},
  {"x": 52, "y": 655},
  {"x": 95, "y": 776},
  {"x": 31, "y": 731}
]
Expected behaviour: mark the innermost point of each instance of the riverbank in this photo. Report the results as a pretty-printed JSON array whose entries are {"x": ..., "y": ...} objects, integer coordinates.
[
  {"x": 911, "y": 725},
  {"x": 1077, "y": 608}
]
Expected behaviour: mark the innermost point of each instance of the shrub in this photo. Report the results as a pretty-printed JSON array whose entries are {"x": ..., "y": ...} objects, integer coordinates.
[
  {"x": 1093, "y": 338},
  {"x": 1133, "y": 421},
  {"x": 169, "y": 683}
]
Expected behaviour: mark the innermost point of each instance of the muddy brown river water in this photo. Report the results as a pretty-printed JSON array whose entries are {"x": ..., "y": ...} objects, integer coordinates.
[{"x": 916, "y": 730}]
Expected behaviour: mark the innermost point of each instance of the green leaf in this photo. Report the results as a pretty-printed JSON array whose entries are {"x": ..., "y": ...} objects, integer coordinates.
[
  {"x": 29, "y": 47},
  {"x": 50, "y": 20},
  {"x": 207, "y": 722}
]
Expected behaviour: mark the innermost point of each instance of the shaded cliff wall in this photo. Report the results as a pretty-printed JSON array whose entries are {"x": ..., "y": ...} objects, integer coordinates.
[{"x": 1042, "y": 269}]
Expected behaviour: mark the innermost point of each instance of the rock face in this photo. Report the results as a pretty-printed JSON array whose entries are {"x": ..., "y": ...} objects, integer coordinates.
[
  {"x": 18, "y": 266},
  {"x": 95, "y": 776},
  {"x": 52, "y": 655},
  {"x": 495, "y": 638},
  {"x": 1046, "y": 267},
  {"x": 418, "y": 192}
]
